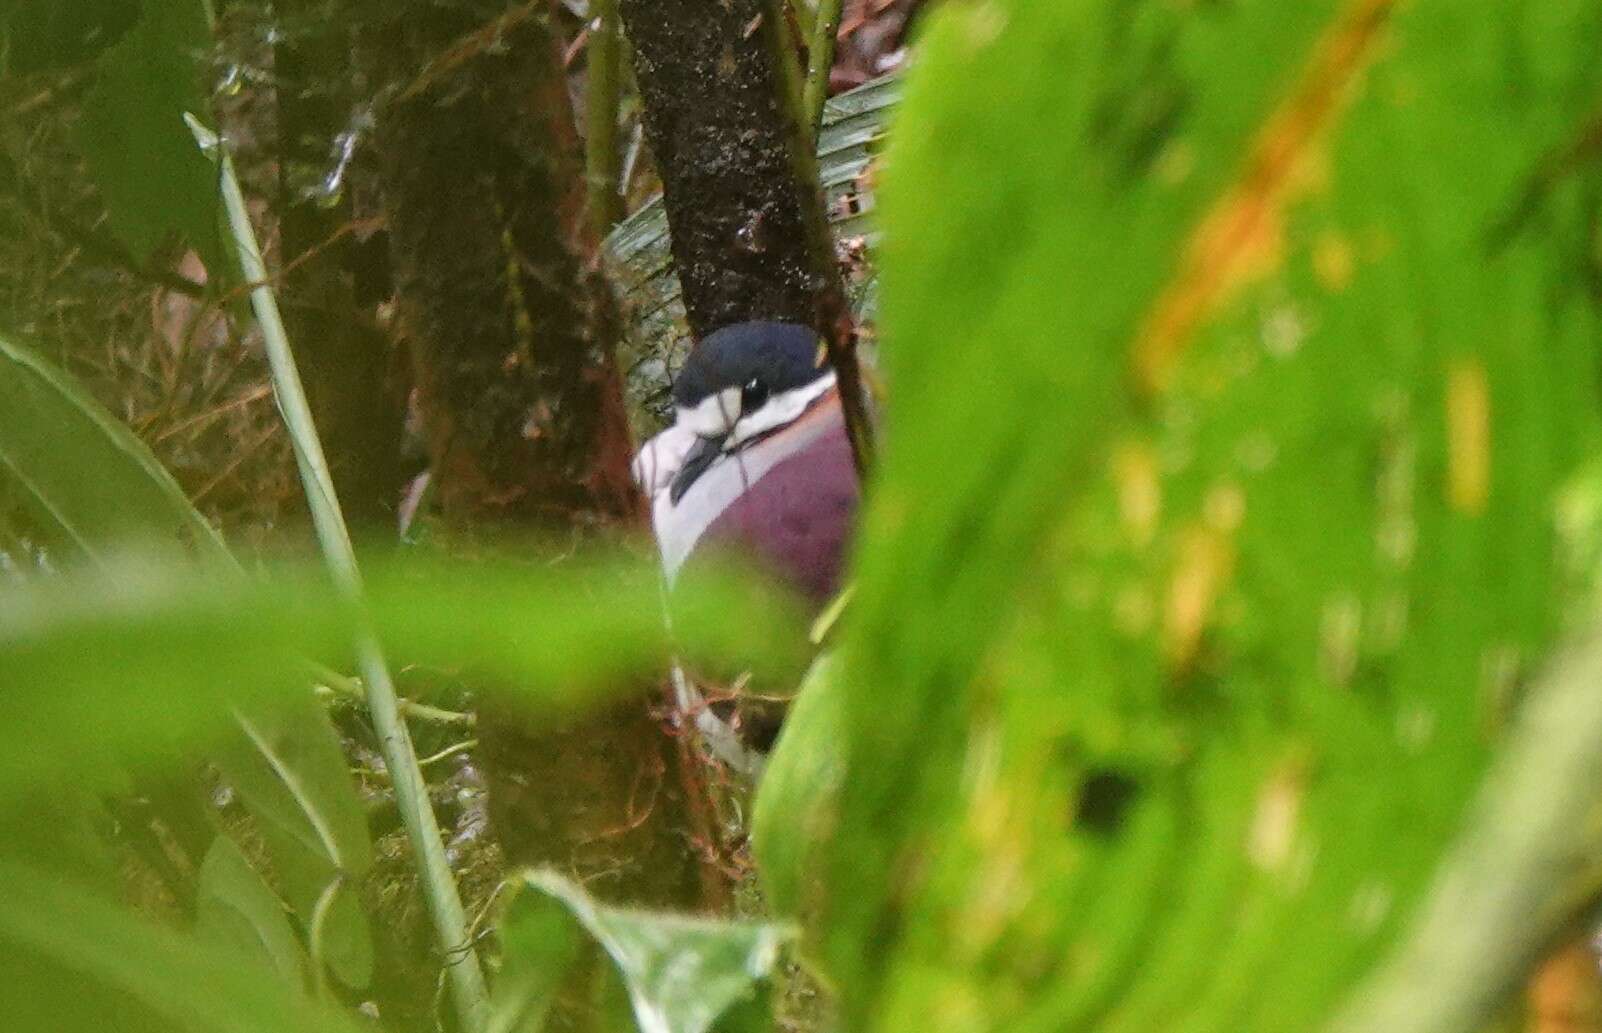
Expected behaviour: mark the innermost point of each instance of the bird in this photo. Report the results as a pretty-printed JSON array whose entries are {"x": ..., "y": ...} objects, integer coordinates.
[
  {"x": 757, "y": 461},
  {"x": 757, "y": 465}
]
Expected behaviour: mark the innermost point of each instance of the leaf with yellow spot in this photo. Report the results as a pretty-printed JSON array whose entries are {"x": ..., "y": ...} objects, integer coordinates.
[{"x": 1208, "y": 324}]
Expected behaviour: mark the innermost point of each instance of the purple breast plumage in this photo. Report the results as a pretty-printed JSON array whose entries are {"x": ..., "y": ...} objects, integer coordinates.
[
  {"x": 795, "y": 505},
  {"x": 758, "y": 462}
]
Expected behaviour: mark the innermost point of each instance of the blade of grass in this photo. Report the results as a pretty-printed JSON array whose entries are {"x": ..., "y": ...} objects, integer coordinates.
[{"x": 411, "y": 791}]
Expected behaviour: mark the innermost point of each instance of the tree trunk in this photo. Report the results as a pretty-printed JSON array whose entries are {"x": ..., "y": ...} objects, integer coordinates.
[
  {"x": 346, "y": 362},
  {"x": 513, "y": 330},
  {"x": 739, "y": 178}
]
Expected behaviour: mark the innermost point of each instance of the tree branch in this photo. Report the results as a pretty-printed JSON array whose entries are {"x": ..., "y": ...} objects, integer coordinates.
[
  {"x": 602, "y": 165},
  {"x": 739, "y": 176}
]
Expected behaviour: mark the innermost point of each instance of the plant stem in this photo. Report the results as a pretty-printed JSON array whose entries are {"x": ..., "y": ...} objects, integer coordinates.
[
  {"x": 805, "y": 16},
  {"x": 411, "y": 793},
  {"x": 820, "y": 59},
  {"x": 833, "y": 320},
  {"x": 332, "y": 683},
  {"x": 602, "y": 167}
]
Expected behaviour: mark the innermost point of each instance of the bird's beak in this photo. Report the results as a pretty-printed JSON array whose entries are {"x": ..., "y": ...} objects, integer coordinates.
[{"x": 701, "y": 455}]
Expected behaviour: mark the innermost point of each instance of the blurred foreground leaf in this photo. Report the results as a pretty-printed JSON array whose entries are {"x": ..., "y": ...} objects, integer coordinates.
[
  {"x": 1218, "y": 527},
  {"x": 106, "y": 955},
  {"x": 796, "y": 801},
  {"x": 116, "y": 665},
  {"x": 682, "y": 975}
]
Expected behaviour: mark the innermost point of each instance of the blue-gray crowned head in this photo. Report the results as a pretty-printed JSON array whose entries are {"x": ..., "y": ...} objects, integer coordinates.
[
  {"x": 736, "y": 373},
  {"x": 776, "y": 357},
  {"x": 745, "y": 381}
]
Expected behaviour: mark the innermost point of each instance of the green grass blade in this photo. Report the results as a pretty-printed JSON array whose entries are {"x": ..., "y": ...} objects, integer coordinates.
[{"x": 411, "y": 790}]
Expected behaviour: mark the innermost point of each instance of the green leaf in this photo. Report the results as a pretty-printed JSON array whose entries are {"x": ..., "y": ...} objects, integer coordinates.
[
  {"x": 84, "y": 477},
  {"x": 1216, "y": 530},
  {"x": 106, "y": 955},
  {"x": 51, "y": 33},
  {"x": 797, "y": 799},
  {"x": 541, "y": 944},
  {"x": 235, "y": 907},
  {"x": 286, "y": 763},
  {"x": 143, "y": 161},
  {"x": 683, "y": 975},
  {"x": 84, "y": 657}
]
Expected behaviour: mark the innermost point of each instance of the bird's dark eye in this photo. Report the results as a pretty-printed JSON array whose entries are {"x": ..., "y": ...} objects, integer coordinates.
[{"x": 752, "y": 395}]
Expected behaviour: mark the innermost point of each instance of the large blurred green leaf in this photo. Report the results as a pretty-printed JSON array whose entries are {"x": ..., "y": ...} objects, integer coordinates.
[
  {"x": 132, "y": 967},
  {"x": 796, "y": 800},
  {"x": 1240, "y": 359},
  {"x": 112, "y": 664},
  {"x": 152, "y": 180},
  {"x": 682, "y": 975},
  {"x": 42, "y": 34}
]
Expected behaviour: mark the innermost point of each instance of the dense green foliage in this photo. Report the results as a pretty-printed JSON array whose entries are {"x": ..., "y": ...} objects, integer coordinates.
[
  {"x": 1240, "y": 477},
  {"x": 1216, "y": 529},
  {"x": 85, "y": 658}
]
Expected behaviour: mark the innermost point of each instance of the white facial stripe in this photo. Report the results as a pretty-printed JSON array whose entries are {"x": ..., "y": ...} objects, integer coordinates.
[
  {"x": 715, "y": 414},
  {"x": 778, "y": 410}
]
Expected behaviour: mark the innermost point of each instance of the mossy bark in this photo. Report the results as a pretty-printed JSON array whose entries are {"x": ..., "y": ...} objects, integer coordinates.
[
  {"x": 494, "y": 265},
  {"x": 352, "y": 381},
  {"x": 721, "y": 89},
  {"x": 513, "y": 329}
]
